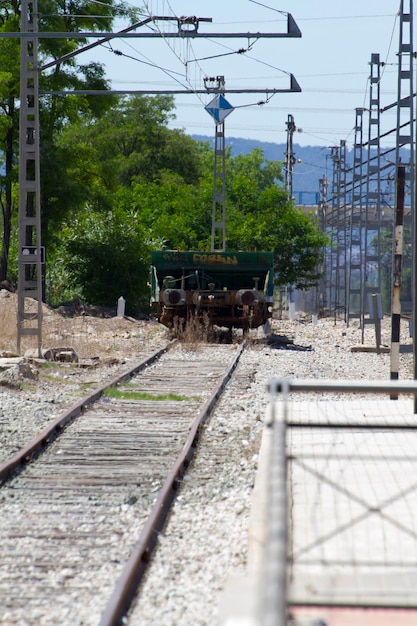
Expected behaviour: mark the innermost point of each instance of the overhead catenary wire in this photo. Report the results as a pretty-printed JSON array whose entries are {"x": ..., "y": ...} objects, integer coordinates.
[
  {"x": 171, "y": 47},
  {"x": 188, "y": 50},
  {"x": 384, "y": 65},
  {"x": 187, "y": 60},
  {"x": 154, "y": 65}
]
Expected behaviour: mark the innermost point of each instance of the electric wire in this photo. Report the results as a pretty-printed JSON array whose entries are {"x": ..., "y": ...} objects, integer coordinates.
[
  {"x": 267, "y": 7},
  {"x": 343, "y": 17},
  {"x": 225, "y": 54},
  {"x": 149, "y": 63},
  {"x": 186, "y": 63},
  {"x": 171, "y": 73},
  {"x": 230, "y": 51},
  {"x": 384, "y": 65},
  {"x": 104, "y": 4},
  {"x": 167, "y": 42},
  {"x": 188, "y": 56},
  {"x": 274, "y": 67}
]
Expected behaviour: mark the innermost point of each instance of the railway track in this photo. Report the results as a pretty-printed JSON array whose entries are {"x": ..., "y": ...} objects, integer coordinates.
[{"x": 86, "y": 512}]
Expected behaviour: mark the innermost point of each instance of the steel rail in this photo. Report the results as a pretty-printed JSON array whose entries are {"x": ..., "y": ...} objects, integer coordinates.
[
  {"x": 55, "y": 427},
  {"x": 132, "y": 574},
  {"x": 277, "y": 385}
]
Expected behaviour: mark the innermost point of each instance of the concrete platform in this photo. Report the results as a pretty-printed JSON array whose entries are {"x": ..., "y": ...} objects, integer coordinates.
[
  {"x": 352, "y": 486},
  {"x": 352, "y": 516}
]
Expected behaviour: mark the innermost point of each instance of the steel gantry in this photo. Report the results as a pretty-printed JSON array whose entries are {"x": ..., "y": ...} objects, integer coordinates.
[
  {"x": 405, "y": 92},
  {"x": 218, "y": 222},
  {"x": 354, "y": 226},
  {"x": 219, "y": 112},
  {"x": 405, "y": 118},
  {"x": 368, "y": 216},
  {"x": 342, "y": 232},
  {"x": 322, "y": 222},
  {"x": 30, "y": 254}
]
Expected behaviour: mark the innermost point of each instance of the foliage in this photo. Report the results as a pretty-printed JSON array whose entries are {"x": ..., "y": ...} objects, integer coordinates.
[
  {"x": 130, "y": 142},
  {"x": 134, "y": 186},
  {"x": 123, "y": 394},
  {"x": 9, "y": 91},
  {"x": 263, "y": 218},
  {"x": 104, "y": 254},
  {"x": 139, "y": 196},
  {"x": 55, "y": 111},
  {"x": 116, "y": 182},
  {"x": 175, "y": 214}
]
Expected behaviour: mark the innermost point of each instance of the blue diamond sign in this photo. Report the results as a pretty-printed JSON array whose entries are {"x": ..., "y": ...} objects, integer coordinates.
[{"x": 219, "y": 108}]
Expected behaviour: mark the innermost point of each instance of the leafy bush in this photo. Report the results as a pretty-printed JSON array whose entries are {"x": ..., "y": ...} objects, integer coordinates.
[{"x": 108, "y": 258}]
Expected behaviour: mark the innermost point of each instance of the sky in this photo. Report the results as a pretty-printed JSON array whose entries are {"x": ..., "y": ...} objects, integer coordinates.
[{"x": 330, "y": 62}]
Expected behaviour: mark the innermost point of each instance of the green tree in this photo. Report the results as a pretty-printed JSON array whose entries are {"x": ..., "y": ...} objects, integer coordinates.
[
  {"x": 55, "y": 111},
  {"x": 261, "y": 217},
  {"x": 247, "y": 176},
  {"x": 107, "y": 257},
  {"x": 128, "y": 147},
  {"x": 131, "y": 142},
  {"x": 127, "y": 163},
  {"x": 9, "y": 91}
]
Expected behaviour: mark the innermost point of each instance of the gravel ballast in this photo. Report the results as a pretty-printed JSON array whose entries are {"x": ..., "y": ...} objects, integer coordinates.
[
  {"x": 204, "y": 547},
  {"x": 205, "y": 543}
]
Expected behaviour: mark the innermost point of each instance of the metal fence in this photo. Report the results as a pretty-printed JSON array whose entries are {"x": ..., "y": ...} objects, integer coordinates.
[{"x": 383, "y": 417}]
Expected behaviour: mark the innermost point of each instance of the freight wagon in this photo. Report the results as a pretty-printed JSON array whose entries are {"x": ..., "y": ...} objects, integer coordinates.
[{"x": 230, "y": 289}]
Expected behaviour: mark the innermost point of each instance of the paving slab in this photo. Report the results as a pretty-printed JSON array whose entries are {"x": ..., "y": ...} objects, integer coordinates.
[{"x": 352, "y": 488}]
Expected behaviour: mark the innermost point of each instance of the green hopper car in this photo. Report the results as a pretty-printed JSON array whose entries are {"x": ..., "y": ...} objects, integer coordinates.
[{"x": 230, "y": 289}]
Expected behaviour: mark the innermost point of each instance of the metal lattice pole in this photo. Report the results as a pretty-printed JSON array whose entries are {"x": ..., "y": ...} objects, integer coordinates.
[
  {"x": 371, "y": 282},
  {"x": 342, "y": 232},
  {"x": 354, "y": 289},
  {"x": 218, "y": 223},
  {"x": 289, "y": 155},
  {"x": 332, "y": 219},
  {"x": 29, "y": 318},
  {"x": 405, "y": 116},
  {"x": 322, "y": 210}
]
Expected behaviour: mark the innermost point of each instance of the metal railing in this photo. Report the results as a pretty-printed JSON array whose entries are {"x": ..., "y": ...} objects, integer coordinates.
[{"x": 272, "y": 591}]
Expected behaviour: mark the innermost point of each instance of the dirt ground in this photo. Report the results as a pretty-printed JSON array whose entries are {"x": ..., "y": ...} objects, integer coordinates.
[{"x": 90, "y": 333}]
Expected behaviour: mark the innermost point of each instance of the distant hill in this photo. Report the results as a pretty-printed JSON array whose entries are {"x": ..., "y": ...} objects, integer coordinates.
[
  {"x": 315, "y": 163},
  {"x": 306, "y": 174}
]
